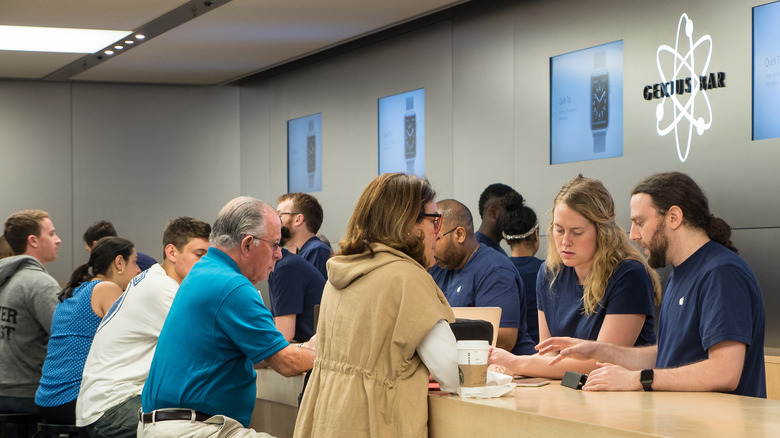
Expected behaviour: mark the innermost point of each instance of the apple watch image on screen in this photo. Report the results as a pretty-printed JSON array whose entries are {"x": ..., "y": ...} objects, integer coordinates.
[
  {"x": 599, "y": 101},
  {"x": 311, "y": 153},
  {"x": 410, "y": 134}
]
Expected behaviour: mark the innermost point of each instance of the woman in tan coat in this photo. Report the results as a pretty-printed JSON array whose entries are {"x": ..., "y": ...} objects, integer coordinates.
[{"x": 383, "y": 323}]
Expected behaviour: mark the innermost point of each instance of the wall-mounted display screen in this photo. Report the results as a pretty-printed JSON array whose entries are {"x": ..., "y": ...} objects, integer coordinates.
[
  {"x": 586, "y": 104},
  {"x": 402, "y": 133},
  {"x": 766, "y": 71},
  {"x": 304, "y": 154}
]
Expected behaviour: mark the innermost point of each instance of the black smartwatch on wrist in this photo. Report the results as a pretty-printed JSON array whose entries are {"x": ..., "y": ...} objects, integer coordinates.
[{"x": 646, "y": 378}]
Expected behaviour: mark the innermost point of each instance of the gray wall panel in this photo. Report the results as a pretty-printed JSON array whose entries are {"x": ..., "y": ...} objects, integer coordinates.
[
  {"x": 35, "y": 152},
  {"x": 144, "y": 155},
  {"x": 345, "y": 90},
  {"x": 758, "y": 247}
]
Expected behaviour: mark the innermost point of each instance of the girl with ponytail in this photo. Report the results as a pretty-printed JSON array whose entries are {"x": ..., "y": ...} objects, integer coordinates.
[{"x": 92, "y": 289}]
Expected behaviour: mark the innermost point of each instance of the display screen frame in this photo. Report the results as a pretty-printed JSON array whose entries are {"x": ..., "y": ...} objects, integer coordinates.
[
  {"x": 586, "y": 116},
  {"x": 765, "y": 82},
  {"x": 304, "y": 154},
  {"x": 401, "y": 133}
]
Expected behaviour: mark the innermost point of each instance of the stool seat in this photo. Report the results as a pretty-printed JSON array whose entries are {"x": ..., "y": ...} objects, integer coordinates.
[
  {"x": 17, "y": 424},
  {"x": 60, "y": 431}
]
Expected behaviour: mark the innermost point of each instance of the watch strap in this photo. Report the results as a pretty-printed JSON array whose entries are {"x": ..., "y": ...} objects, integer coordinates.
[
  {"x": 600, "y": 59},
  {"x": 599, "y": 141},
  {"x": 646, "y": 378}
]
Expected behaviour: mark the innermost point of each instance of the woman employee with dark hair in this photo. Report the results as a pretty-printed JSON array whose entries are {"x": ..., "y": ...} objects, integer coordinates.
[{"x": 383, "y": 323}]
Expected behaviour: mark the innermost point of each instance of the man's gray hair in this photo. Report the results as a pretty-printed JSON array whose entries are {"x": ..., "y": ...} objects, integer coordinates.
[{"x": 239, "y": 218}]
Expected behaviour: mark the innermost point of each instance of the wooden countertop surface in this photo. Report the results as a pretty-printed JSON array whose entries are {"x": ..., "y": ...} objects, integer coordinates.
[{"x": 554, "y": 410}]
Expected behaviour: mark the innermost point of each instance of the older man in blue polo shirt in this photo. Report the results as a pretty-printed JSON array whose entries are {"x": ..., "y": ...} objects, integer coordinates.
[{"x": 201, "y": 381}]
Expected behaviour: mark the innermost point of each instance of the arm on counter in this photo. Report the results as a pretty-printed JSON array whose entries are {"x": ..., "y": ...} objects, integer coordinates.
[
  {"x": 439, "y": 353},
  {"x": 293, "y": 359},
  {"x": 721, "y": 371}
]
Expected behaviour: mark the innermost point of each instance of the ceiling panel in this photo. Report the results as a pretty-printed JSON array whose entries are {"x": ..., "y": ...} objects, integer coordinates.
[
  {"x": 33, "y": 65},
  {"x": 227, "y": 43},
  {"x": 85, "y": 14}
]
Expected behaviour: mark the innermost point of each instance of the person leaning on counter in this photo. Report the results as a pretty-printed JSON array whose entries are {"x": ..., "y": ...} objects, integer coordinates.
[
  {"x": 201, "y": 381},
  {"x": 711, "y": 327},
  {"x": 383, "y": 323}
]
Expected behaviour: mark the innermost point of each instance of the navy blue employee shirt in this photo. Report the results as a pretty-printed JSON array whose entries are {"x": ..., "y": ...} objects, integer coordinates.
[
  {"x": 490, "y": 243},
  {"x": 713, "y": 297},
  {"x": 488, "y": 280},
  {"x": 528, "y": 267},
  {"x": 629, "y": 292},
  {"x": 145, "y": 261},
  {"x": 294, "y": 288},
  {"x": 316, "y": 252}
]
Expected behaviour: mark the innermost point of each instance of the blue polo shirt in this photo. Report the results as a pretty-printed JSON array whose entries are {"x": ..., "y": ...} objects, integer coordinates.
[
  {"x": 713, "y": 297},
  {"x": 316, "y": 252},
  {"x": 294, "y": 288},
  {"x": 217, "y": 328},
  {"x": 488, "y": 280},
  {"x": 629, "y": 292}
]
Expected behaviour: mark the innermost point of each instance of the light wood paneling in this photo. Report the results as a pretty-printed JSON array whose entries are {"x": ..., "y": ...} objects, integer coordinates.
[{"x": 773, "y": 377}]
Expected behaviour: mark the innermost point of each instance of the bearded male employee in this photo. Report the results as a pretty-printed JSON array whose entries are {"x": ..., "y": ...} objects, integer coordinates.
[
  {"x": 201, "y": 381},
  {"x": 302, "y": 214},
  {"x": 711, "y": 327},
  {"x": 472, "y": 275}
]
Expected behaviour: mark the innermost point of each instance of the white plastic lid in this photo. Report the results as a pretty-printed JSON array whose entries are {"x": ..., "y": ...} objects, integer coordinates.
[{"x": 473, "y": 345}]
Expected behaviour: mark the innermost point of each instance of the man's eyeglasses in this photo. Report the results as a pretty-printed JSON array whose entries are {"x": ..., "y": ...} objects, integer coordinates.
[
  {"x": 436, "y": 220},
  {"x": 274, "y": 244},
  {"x": 448, "y": 232},
  {"x": 282, "y": 213}
]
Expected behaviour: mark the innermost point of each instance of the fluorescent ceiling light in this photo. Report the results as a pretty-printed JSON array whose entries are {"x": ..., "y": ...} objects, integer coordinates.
[{"x": 54, "y": 39}]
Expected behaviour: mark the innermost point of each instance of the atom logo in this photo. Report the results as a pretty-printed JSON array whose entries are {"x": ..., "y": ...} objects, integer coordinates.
[{"x": 683, "y": 63}]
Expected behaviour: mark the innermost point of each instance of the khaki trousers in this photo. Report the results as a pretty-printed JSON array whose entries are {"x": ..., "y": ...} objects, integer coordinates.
[{"x": 218, "y": 426}]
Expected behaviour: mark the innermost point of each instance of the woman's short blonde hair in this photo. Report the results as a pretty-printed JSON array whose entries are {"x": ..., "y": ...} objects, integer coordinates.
[
  {"x": 592, "y": 200},
  {"x": 385, "y": 213}
]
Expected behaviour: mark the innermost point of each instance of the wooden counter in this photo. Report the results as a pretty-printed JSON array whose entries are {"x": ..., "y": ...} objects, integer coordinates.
[
  {"x": 276, "y": 406},
  {"x": 554, "y": 410},
  {"x": 772, "y": 364}
]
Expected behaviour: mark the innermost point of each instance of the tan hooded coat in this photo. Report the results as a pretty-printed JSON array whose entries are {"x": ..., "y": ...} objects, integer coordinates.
[{"x": 367, "y": 378}]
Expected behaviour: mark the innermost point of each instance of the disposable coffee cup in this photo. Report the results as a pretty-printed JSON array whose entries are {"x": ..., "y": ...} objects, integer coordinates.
[{"x": 473, "y": 363}]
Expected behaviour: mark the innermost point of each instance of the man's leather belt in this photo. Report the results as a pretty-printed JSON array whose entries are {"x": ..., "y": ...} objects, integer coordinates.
[{"x": 174, "y": 414}]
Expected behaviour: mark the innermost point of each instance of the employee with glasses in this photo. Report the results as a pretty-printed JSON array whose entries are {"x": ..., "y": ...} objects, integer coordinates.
[
  {"x": 383, "y": 323},
  {"x": 471, "y": 274},
  {"x": 202, "y": 381}
]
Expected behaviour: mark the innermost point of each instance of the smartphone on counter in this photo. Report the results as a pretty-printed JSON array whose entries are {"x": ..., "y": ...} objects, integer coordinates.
[{"x": 530, "y": 381}]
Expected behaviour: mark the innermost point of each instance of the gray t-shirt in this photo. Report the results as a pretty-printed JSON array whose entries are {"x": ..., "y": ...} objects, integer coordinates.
[{"x": 28, "y": 296}]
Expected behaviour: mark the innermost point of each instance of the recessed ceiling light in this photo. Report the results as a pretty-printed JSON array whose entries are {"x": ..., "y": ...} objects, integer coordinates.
[
  {"x": 128, "y": 42},
  {"x": 140, "y": 36},
  {"x": 109, "y": 52},
  {"x": 119, "y": 47},
  {"x": 54, "y": 39}
]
